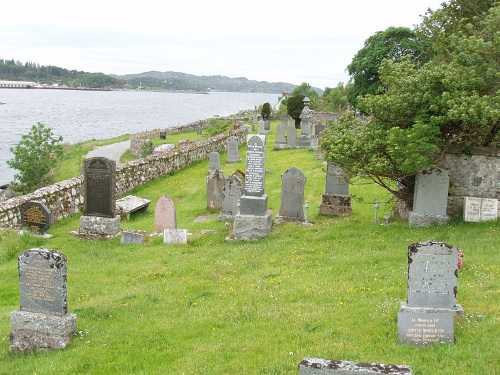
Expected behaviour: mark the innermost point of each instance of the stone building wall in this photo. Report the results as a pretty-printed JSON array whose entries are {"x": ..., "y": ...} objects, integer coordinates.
[{"x": 65, "y": 198}]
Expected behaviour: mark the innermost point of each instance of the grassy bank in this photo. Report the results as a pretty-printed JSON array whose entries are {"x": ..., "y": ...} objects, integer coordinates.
[{"x": 213, "y": 306}]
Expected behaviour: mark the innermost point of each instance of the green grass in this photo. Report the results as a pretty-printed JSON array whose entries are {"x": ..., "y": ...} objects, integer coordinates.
[{"x": 329, "y": 290}]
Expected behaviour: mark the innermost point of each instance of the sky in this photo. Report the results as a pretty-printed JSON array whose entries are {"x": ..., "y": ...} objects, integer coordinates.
[{"x": 262, "y": 40}]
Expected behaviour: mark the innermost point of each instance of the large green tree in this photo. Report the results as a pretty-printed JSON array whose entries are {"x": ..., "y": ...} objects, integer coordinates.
[
  {"x": 35, "y": 157},
  {"x": 453, "y": 99},
  {"x": 394, "y": 44}
]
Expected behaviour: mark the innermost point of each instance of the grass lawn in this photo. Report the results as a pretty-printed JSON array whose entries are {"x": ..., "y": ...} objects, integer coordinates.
[{"x": 214, "y": 306}]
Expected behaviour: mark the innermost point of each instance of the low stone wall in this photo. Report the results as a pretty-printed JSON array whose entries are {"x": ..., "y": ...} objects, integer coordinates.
[{"x": 65, "y": 198}]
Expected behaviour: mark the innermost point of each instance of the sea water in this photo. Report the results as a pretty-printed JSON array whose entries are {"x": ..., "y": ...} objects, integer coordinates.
[{"x": 79, "y": 115}]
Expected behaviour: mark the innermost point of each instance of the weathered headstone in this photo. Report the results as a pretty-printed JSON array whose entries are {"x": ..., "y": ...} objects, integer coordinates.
[
  {"x": 215, "y": 183},
  {"x": 280, "y": 141},
  {"x": 314, "y": 142},
  {"x": 131, "y": 203},
  {"x": 318, "y": 366},
  {"x": 480, "y": 209},
  {"x": 291, "y": 137},
  {"x": 213, "y": 161},
  {"x": 36, "y": 216},
  {"x": 430, "y": 198},
  {"x": 129, "y": 237},
  {"x": 175, "y": 236},
  {"x": 336, "y": 201},
  {"x": 165, "y": 216},
  {"x": 427, "y": 315},
  {"x": 292, "y": 195},
  {"x": 233, "y": 153},
  {"x": 319, "y": 128},
  {"x": 262, "y": 127},
  {"x": 231, "y": 194},
  {"x": 253, "y": 220},
  {"x": 42, "y": 322},
  {"x": 99, "y": 189}
]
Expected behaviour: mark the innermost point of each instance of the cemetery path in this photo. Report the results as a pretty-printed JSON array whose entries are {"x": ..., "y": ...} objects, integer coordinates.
[{"x": 113, "y": 151}]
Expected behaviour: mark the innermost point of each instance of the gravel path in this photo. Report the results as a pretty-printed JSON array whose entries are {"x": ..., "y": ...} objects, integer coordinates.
[{"x": 113, "y": 151}]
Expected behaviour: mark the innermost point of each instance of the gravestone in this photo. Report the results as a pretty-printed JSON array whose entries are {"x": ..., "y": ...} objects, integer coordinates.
[
  {"x": 292, "y": 195},
  {"x": 99, "y": 191},
  {"x": 36, "y": 217},
  {"x": 241, "y": 176},
  {"x": 215, "y": 183},
  {"x": 199, "y": 131},
  {"x": 318, "y": 366},
  {"x": 165, "y": 216},
  {"x": 231, "y": 194},
  {"x": 430, "y": 198},
  {"x": 305, "y": 125},
  {"x": 336, "y": 200},
  {"x": 319, "y": 128},
  {"x": 214, "y": 161},
  {"x": 127, "y": 205},
  {"x": 291, "y": 137},
  {"x": 129, "y": 237},
  {"x": 426, "y": 317},
  {"x": 253, "y": 221},
  {"x": 163, "y": 134},
  {"x": 262, "y": 127},
  {"x": 175, "y": 236},
  {"x": 233, "y": 153},
  {"x": 280, "y": 141},
  {"x": 267, "y": 125},
  {"x": 314, "y": 142},
  {"x": 480, "y": 209},
  {"x": 42, "y": 322}
]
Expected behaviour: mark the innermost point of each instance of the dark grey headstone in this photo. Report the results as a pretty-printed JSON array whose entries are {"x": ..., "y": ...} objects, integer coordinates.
[
  {"x": 132, "y": 237},
  {"x": 292, "y": 195},
  {"x": 318, "y": 129},
  {"x": 255, "y": 165},
  {"x": 163, "y": 134},
  {"x": 165, "y": 216},
  {"x": 424, "y": 327},
  {"x": 233, "y": 153},
  {"x": 337, "y": 181},
  {"x": 432, "y": 275},
  {"x": 99, "y": 187},
  {"x": 36, "y": 216},
  {"x": 215, "y": 183},
  {"x": 42, "y": 281}
]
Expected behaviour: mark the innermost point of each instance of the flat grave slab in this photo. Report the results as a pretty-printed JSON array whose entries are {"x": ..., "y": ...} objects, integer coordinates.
[{"x": 129, "y": 204}]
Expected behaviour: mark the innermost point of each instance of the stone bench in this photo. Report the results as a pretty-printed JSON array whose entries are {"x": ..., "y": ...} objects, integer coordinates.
[{"x": 126, "y": 205}]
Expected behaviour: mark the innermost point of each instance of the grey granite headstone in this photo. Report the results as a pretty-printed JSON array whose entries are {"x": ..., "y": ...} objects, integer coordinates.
[
  {"x": 318, "y": 366},
  {"x": 337, "y": 181},
  {"x": 430, "y": 198},
  {"x": 99, "y": 187},
  {"x": 233, "y": 153},
  {"x": 319, "y": 128},
  {"x": 42, "y": 322},
  {"x": 129, "y": 237},
  {"x": 292, "y": 195},
  {"x": 262, "y": 127},
  {"x": 213, "y": 160},
  {"x": 175, "y": 236},
  {"x": 280, "y": 141},
  {"x": 291, "y": 138},
  {"x": 231, "y": 194},
  {"x": 215, "y": 183},
  {"x": 336, "y": 201},
  {"x": 255, "y": 165},
  {"x": 36, "y": 216},
  {"x": 165, "y": 215}
]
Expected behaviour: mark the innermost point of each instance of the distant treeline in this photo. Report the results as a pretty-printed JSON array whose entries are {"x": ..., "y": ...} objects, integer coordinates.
[{"x": 11, "y": 70}]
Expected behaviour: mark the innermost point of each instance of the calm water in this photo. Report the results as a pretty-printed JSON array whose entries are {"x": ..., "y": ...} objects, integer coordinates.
[{"x": 83, "y": 115}]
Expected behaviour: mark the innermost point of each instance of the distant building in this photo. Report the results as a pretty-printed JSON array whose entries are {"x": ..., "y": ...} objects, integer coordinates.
[{"x": 16, "y": 84}]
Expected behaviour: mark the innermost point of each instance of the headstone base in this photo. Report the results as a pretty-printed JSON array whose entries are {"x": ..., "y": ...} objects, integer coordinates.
[
  {"x": 37, "y": 332},
  {"x": 417, "y": 219},
  {"x": 318, "y": 366},
  {"x": 335, "y": 205},
  {"x": 254, "y": 206},
  {"x": 421, "y": 326},
  {"x": 100, "y": 225},
  {"x": 251, "y": 227},
  {"x": 304, "y": 141}
]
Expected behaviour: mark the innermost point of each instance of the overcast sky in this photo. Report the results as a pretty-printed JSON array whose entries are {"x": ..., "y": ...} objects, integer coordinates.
[{"x": 275, "y": 41}]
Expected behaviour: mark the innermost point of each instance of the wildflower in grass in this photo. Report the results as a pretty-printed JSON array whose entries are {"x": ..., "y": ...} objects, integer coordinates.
[{"x": 460, "y": 256}]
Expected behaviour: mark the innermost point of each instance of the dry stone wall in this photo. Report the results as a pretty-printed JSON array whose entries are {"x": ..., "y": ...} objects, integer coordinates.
[{"x": 65, "y": 198}]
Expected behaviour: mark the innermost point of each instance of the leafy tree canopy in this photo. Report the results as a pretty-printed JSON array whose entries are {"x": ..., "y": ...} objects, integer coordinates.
[{"x": 266, "y": 111}]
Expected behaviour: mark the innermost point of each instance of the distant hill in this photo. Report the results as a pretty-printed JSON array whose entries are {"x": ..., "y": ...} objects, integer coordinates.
[{"x": 183, "y": 81}]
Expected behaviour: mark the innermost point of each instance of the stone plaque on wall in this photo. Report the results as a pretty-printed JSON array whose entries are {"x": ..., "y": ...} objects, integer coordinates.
[
  {"x": 256, "y": 165},
  {"x": 42, "y": 281},
  {"x": 99, "y": 187},
  {"x": 36, "y": 216}
]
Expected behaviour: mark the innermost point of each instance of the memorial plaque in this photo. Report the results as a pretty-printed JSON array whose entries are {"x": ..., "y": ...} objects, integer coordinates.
[
  {"x": 175, "y": 236},
  {"x": 42, "y": 281},
  {"x": 256, "y": 165},
  {"x": 99, "y": 187},
  {"x": 165, "y": 216},
  {"x": 36, "y": 216},
  {"x": 432, "y": 275},
  {"x": 489, "y": 209},
  {"x": 292, "y": 195},
  {"x": 424, "y": 328},
  {"x": 129, "y": 237},
  {"x": 472, "y": 209}
]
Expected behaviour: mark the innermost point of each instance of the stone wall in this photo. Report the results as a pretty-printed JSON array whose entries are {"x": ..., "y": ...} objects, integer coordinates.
[{"x": 65, "y": 198}]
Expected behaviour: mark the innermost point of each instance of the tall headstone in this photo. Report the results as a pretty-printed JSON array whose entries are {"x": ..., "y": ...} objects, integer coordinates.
[
  {"x": 36, "y": 216},
  {"x": 231, "y": 194},
  {"x": 336, "y": 201},
  {"x": 213, "y": 161},
  {"x": 165, "y": 215},
  {"x": 280, "y": 141},
  {"x": 262, "y": 127},
  {"x": 291, "y": 138},
  {"x": 215, "y": 183},
  {"x": 292, "y": 195},
  {"x": 430, "y": 198},
  {"x": 305, "y": 125},
  {"x": 99, "y": 191},
  {"x": 319, "y": 366},
  {"x": 426, "y": 317},
  {"x": 42, "y": 322},
  {"x": 233, "y": 153},
  {"x": 253, "y": 221}
]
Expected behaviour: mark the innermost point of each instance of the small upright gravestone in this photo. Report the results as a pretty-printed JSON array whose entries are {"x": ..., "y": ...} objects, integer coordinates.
[
  {"x": 336, "y": 201},
  {"x": 262, "y": 128},
  {"x": 36, "y": 216},
  {"x": 430, "y": 198},
  {"x": 165, "y": 216},
  {"x": 231, "y": 194},
  {"x": 215, "y": 183},
  {"x": 280, "y": 141},
  {"x": 213, "y": 161},
  {"x": 426, "y": 317},
  {"x": 99, "y": 190},
  {"x": 292, "y": 195},
  {"x": 291, "y": 137},
  {"x": 233, "y": 153},
  {"x": 42, "y": 322},
  {"x": 480, "y": 209},
  {"x": 318, "y": 366},
  {"x": 175, "y": 236}
]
